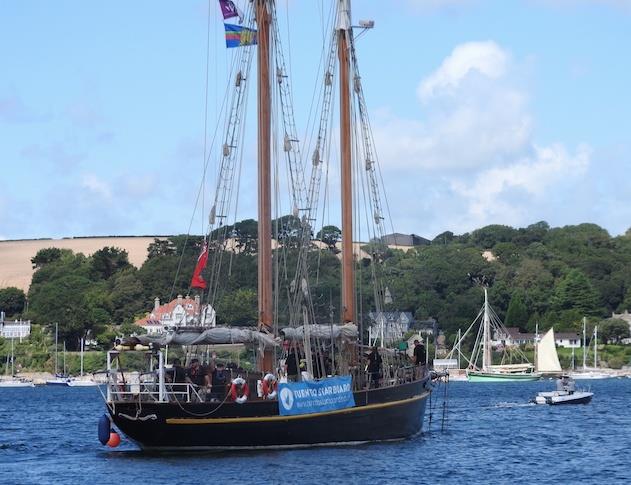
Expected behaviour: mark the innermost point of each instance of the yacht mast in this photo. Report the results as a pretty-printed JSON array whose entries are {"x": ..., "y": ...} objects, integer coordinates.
[
  {"x": 343, "y": 52},
  {"x": 486, "y": 336},
  {"x": 596, "y": 346},
  {"x": 584, "y": 344},
  {"x": 264, "y": 168}
]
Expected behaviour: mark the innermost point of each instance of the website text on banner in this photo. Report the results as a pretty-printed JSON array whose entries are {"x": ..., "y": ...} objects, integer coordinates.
[{"x": 315, "y": 396}]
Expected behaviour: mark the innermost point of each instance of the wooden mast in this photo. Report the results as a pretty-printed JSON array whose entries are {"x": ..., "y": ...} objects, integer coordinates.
[
  {"x": 264, "y": 175},
  {"x": 264, "y": 169},
  {"x": 343, "y": 47}
]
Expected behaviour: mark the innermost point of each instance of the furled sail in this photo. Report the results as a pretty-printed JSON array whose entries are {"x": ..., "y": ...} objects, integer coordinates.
[
  {"x": 547, "y": 357},
  {"x": 216, "y": 335},
  {"x": 347, "y": 331}
]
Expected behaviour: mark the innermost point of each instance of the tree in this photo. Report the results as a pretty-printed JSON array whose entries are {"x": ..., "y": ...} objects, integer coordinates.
[
  {"x": 246, "y": 235},
  {"x": 613, "y": 330},
  {"x": 107, "y": 261},
  {"x": 489, "y": 236},
  {"x": 12, "y": 300},
  {"x": 160, "y": 247},
  {"x": 517, "y": 314},
  {"x": 238, "y": 308},
  {"x": 575, "y": 292},
  {"x": 48, "y": 255},
  {"x": 330, "y": 235}
]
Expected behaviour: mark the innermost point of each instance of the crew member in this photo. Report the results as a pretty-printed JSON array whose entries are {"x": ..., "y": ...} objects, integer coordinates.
[
  {"x": 420, "y": 355},
  {"x": 374, "y": 366}
]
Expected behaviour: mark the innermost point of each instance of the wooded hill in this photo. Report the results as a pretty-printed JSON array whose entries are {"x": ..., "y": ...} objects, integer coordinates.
[{"x": 550, "y": 276}]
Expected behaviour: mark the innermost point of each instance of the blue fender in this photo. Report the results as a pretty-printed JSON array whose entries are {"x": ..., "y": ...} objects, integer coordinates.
[{"x": 105, "y": 428}]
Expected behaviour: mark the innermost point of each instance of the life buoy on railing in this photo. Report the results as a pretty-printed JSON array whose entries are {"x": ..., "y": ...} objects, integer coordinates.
[
  {"x": 239, "y": 390},
  {"x": 269, "y": 386}
]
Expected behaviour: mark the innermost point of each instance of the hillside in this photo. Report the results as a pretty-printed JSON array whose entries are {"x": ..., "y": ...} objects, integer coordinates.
[{"x": 15, "y": 256}]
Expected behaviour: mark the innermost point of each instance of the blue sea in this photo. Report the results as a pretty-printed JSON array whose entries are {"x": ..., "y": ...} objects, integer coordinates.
[{"x": 492, "y": 435}]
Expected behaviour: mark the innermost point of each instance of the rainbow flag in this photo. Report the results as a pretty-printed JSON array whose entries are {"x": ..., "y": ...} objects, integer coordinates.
[{"x": 236, "y": 36}]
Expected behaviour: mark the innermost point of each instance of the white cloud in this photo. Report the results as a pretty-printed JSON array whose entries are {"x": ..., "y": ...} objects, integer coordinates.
[
  {"x": 474, "y": 151},
  {"x": 485, "y": 58},
  {"x": 96, "y": 185}
]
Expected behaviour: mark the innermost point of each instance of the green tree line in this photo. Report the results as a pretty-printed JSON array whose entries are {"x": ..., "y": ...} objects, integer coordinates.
[{"x": 540, "y": 275}]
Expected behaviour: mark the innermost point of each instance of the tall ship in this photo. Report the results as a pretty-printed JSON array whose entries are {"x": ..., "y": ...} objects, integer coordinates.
[{"x": 314, "y": 382}]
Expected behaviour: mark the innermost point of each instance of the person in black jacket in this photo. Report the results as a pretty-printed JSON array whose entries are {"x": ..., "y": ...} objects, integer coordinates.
[
  {"x": 420, "y": 355},
  {"x": 374, "y": 366}
]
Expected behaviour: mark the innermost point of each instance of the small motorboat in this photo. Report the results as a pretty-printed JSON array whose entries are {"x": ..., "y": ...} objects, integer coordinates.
[{"x": 566, "y": 393}]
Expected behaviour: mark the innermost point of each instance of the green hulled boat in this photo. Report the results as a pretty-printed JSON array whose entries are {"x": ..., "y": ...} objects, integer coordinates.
[{"x": 485, "y": 371}]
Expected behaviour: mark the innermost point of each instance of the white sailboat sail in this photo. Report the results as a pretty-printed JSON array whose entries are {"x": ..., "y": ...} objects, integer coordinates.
[{"x": 547, "y": 357}]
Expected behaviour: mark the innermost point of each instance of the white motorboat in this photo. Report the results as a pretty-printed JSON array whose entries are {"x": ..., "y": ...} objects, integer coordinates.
[
  {"x": 566, "y": 393},
  {"x": 16, "y": 382},
  {"x": 81, "y": 382}
]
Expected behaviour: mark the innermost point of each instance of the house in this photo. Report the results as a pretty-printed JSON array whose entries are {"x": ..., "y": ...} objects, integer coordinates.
[
  {"x": 14, "y": 328},
  {"x": 428, "y": 327},
  {"x": 399, "y": 239},
  {"x": 567, "y": 340},
  {"x": 512, "y": 337},
  {"x": 183, "y": 311},
  {"x": 389, "y": 326}
]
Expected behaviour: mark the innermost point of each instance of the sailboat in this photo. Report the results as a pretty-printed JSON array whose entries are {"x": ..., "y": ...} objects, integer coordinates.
[
  {"x": 58, "y": 379},
  {"x": 481, "y": 367},
  {"x": 10, "y": 380},
  {"x": 82, "y": 381},
  {"x": 547, "y": 360},
  {"x": 331, "y": 397},
  {"x": 589, "y": 372}
]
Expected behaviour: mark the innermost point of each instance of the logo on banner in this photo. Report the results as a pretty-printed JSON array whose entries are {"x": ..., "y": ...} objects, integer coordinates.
[{"x": 287, "y": 398}]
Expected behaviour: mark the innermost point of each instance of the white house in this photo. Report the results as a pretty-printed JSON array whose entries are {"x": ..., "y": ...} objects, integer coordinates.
[
  {"x": 183, "y": 311},
  {"x": 567, "y": 340},
  {"x": 14, "y": 328}
]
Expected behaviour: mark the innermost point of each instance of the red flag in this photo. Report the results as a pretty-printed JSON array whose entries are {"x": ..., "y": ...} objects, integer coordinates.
[{"x": 198, "y": 281}]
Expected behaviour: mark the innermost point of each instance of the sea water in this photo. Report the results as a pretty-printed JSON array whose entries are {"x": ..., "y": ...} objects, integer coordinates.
[{"x": 492, "y": 435}]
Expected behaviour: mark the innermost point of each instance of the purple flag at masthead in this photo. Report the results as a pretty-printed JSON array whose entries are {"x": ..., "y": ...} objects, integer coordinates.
[{"x": 228, "y": 9}]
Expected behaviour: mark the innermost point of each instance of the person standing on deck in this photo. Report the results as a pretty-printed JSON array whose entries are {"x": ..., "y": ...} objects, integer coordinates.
[
  {"x": 374, "y": 367},
  {"x": 420, "y": 355}
]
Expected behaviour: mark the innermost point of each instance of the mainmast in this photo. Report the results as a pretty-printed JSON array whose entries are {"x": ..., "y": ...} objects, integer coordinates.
[
  {"x": 264, "y": 168},
  {"x": 486, "y": 336},
  {"x": 343, "y": 52}
]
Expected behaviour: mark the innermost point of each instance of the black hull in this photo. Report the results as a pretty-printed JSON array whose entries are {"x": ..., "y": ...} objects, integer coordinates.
[{"x": 391, "y": 413}]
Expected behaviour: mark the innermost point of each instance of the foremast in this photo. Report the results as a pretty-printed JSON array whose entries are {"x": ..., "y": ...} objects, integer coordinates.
[{"x": 344, "y": 32}]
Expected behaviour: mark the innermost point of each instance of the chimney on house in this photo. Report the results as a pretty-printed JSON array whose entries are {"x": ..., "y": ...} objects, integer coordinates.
[
  {"x": 156, "y": 304},
  {"x": 179, "y": 299},
  {"x": 197, "y": 300}
]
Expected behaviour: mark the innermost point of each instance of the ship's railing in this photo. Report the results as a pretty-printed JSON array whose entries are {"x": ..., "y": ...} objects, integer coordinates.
[
  {"x": 389, "y": 376},
  {"x": 149, "y": 390}
]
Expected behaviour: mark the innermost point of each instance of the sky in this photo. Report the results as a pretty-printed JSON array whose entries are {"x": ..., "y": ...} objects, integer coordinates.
[{"x": 483, "y": 111}]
